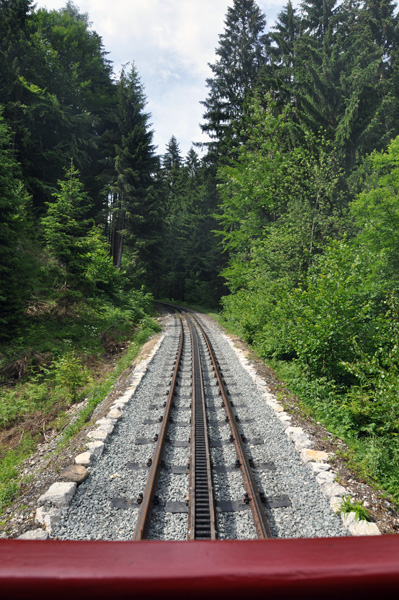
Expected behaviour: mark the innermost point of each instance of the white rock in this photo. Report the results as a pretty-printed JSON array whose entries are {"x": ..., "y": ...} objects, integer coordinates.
[
  {"x": 114, "y": 414},
  {"x": 303, "y": 442},
  {"x": 325, "y": 477},
  {"x": 41, "y": 512},
  {"x": 272, "y": 403},
  {"x": 83, "y": 459},
  {"x": 95, "y": 449},
  {"x": 336, "y": 503},
  {"x": 48, "y": 517},
  {"x": 118, "y": 405},
  {"x": 107, "y": 425},
  {"x": 125, "y": 398},
  {"x": 98, "y": 434},
  {"x": 293, "y": 433},
  {"x": 359, "y": 527},
  {"x": 318, "y": 467},
  {"x": 59, "y": 494},
  {"x": 105, "y": 421},
  {"x": 314, "y": 455},
  {"x": 34, "y": 534},
  {"x": 364, "y": 528},
  {"x": 333, "y": 489},
  {"x": 284, "y": 417},
  {"x": 348, "y": 519}
]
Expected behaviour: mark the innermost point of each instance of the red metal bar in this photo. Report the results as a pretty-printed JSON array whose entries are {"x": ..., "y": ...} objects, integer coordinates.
[{"x": 270, "y": 569}]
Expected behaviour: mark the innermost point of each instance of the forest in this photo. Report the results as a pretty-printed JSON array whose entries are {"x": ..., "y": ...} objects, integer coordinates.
[{"x": 284, "y": 222}]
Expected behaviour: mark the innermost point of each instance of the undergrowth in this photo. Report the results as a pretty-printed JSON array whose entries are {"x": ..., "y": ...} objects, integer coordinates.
[
  {"x": 61, "y": 371},
  {"x": 373, "y": 454}
]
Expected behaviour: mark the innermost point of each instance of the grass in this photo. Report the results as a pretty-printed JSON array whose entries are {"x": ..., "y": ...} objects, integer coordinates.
[
  {"x": 9, "y": 463},
  {"x": 47, "y": 394},
  {"x": 101, "y": 390},
  {"x": 348, "y": 505}
]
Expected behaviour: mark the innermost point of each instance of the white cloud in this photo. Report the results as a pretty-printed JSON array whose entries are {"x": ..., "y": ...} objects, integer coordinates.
[{"x": 171, "y": 43}]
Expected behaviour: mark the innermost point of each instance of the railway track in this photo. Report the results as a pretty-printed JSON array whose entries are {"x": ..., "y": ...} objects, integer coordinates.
[
  {"x": 202, "y": 519},
  {"x": 197, "y": 454}
]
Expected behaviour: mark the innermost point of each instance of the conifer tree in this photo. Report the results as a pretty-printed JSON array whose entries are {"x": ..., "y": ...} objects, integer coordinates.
[
  {"x": 79, "y": 249},
  {"x": 15, "y": 58},
  {"x": 69, "y": 98},
  {"x": 278, "y": 78},
  {"x": 132, "y": 199},
  {"x": 13, "y": 202},
  {"x": 368, "y": 118},
  {"x": 241, "y": 53},
  {"x": 64, "y": 228},
  {"x": 317, "y": 17}
]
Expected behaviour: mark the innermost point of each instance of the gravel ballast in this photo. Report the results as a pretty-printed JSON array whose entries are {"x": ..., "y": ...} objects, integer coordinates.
[{"x": 104, "y": 505}]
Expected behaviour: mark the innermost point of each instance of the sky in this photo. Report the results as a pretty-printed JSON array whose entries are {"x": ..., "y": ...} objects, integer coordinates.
[{"x": 171, "y": 43}]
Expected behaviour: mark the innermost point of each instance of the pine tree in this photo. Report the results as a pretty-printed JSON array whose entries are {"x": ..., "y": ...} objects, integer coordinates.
[
  {"x": 173, "y": 179},
  {"x": 381, "y": 18},
  {"x": 65, "y": 227},
  {"x": 241, "y": 53},
  {"x": 13, "y": 203},
  {"x": 15, "y": 58},
  {"x": 190, "y": 258},
  {"x": 79, "y": 249},
  {"x": 368, "y": 119},
  {"x": 132, "y": 199},
  {"x": 278, "y": 78},
  {"x": 55, "y": 84},
  {"x": 317, "y": 17},
  {"x": 69, "y": 99},
  {"x": 319, "y": 66}
]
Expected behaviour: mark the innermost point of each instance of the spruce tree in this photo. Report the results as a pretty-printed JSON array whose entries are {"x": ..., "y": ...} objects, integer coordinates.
[
  {"x": 77, "y": 248},
  {"x": 64, "y": 228},
  {"x": 241, "y": 53},
  {"x": 278, "y": 78},
  {"x": 317, "y": 17},
  {"x": 368, "y": 119},
  {"x": 69, "y": 100},
  {"x": 132, "y": 197},
  {"x": 13, "y": 203}
]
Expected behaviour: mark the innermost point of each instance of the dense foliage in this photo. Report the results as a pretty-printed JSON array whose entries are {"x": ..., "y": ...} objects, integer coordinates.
[
  {"x": 290, "y": 219},
  {"x": 308, "y": 219}
]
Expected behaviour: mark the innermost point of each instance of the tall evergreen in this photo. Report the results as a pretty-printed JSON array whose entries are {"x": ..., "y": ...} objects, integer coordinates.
[
  {"x": 241, "y": 53},
  {"x": 65, "y": 226},
  {"x": 381, "y": 18},
  {"x": 70, "y": 100},
  {"x": 368, "y": 119},
  {"x": 55, "y": 84},
  {"x": 131, "y": 195},
  {"x": 13, "y": 233},
  {"x": 319, "y": 66},
  {"x": 15, "y": 58},
  {"x": 190, "y": 257},
  {"x": 317, "y": 16},
  {"x": 278, "y": 77}
]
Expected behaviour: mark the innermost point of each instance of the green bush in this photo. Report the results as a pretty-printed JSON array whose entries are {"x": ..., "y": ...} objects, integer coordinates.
[{"x": 70, "y": 375}]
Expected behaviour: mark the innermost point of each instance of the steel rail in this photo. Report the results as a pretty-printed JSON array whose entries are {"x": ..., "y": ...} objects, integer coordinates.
[
  {"x": 144, "y": 516},
  {"x": 201, "y": 508},
  {"x": 251, "y": 487},
  {"x": 252, "y": 492}
]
